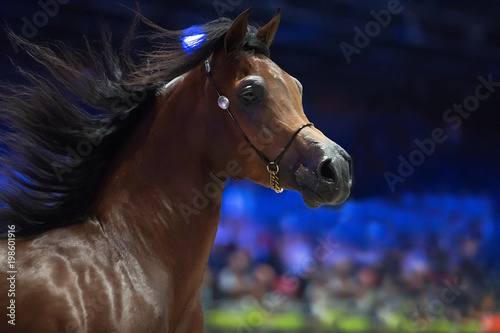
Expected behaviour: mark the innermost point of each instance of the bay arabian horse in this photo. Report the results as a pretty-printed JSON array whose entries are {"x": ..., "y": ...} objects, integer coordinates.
[{"x": 114, "y": 171}]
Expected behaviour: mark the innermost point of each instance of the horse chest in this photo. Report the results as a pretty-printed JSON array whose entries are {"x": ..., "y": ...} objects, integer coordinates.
[{"x": 86, "y": 287}]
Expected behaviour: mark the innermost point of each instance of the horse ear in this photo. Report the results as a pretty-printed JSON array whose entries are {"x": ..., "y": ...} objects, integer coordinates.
[
  {"x": 237, "y": 32},
  {"x": 267, "y": 32}
]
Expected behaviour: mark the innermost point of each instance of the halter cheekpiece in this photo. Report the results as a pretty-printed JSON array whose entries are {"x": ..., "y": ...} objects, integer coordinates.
[{"x": 272, "y": 166}]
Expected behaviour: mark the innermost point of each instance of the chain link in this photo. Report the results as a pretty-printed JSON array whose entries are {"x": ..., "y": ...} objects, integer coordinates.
[{"x": 275, "y": 182}]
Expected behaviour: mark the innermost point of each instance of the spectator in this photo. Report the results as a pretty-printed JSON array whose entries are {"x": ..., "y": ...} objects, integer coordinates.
[{"x": 234, "y": 280}]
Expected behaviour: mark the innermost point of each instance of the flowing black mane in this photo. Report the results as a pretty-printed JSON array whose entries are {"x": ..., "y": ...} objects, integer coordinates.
[{"x": 59, "y": 130}]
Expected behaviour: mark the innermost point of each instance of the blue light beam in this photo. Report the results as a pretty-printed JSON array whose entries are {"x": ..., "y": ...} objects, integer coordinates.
[{"x": 192, "y": 38}]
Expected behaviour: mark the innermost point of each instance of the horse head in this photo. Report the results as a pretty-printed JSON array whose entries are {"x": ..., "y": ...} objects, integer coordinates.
[
  {"x": 118, "y": 195},
  {"x": 265, "y": 127}
]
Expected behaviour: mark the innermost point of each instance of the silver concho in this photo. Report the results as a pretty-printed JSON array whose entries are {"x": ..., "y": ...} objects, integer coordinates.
[{"x": 223, "y": 102}]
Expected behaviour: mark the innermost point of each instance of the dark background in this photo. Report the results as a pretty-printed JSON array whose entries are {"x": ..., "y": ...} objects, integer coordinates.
[{"x": 395, "y": 91}]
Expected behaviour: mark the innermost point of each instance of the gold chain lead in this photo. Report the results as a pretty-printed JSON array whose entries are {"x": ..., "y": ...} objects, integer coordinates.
[
  {"x": 274, "y": 179},
  {"x": 275, "y": 182}
]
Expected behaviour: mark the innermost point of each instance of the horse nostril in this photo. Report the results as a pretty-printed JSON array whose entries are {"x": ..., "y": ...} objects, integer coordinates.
[
  {"x": 348, "y": 159},
  {"x": 350, "y": 171},
  {"x": 327, "y": 171},
  {"x": 349, "y": 162}
]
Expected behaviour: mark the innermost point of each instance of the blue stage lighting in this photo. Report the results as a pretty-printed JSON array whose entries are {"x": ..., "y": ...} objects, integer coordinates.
[{"x": 192, "y": 38}]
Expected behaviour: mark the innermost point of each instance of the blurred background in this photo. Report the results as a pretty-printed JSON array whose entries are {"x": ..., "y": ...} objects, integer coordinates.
[{"x": 411, "y": 89}]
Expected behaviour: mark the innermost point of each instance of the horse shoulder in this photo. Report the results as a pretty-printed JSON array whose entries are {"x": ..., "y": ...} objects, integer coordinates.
[{"x": 77, "y": 278}]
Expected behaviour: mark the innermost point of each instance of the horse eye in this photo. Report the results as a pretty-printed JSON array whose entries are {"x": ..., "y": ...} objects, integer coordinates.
[{"x": 249, "y": 95}]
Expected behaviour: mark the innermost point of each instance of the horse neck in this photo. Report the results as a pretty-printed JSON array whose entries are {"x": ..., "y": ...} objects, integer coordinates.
[{"x": 152, "y": 201}]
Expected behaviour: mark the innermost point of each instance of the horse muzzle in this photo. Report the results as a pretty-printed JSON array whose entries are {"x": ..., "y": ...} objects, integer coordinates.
[{"x": 327, "y": 178}]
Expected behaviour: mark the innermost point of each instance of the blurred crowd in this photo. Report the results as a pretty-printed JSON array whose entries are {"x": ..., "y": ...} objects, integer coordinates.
[{"x": 421, "y": 256}]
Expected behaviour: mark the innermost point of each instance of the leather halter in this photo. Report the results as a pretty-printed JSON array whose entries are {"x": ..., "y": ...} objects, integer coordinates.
[{"x": 272, "y": 165}]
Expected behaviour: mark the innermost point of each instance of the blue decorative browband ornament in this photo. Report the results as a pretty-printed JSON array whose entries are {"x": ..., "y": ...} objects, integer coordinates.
[{"x": 192, "y": 38}]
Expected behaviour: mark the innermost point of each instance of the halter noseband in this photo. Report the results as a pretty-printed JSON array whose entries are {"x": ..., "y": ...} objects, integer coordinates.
[{"x": 272, "y": 166}]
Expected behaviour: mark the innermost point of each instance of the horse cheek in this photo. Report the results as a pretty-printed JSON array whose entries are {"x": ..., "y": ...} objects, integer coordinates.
[{"x": 245, "y": 149}]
